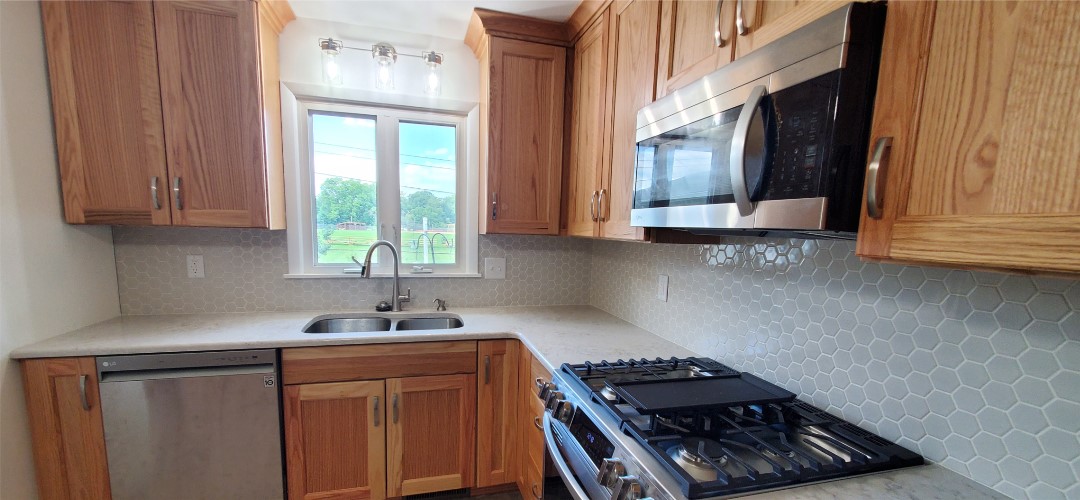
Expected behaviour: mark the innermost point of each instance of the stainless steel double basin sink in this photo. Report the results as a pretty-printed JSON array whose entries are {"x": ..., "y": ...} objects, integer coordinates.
[{"x": 374, "y": 322}]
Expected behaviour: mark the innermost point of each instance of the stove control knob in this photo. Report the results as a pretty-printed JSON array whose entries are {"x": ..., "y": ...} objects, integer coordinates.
[
  {"x": 627, "y": 488},
  {"x": 544, "y": 388},
  {"x": 553, "y": 400},
  {"x": 610, "y": 470},
  {"x": 564, "y": 411}
]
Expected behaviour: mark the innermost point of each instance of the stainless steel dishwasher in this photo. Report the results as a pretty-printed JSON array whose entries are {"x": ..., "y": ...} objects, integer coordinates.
[{"x": 203, "y": 425}]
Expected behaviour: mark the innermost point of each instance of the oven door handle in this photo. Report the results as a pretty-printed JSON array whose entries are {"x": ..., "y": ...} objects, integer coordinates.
[
  {"x": 738, "y": 150},
  {"x": 567, "y": 475}
]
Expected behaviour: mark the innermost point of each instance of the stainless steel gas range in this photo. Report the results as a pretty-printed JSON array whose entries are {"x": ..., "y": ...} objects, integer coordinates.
[{"x": 693, "y": 428}]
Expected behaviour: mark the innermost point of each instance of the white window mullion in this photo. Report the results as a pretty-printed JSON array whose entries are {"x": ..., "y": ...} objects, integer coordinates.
[{"x": 387, "y": 190}]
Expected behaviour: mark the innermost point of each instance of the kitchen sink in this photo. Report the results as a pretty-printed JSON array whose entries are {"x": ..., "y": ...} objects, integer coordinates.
[
  {"x": 359, "y": 323},
  {"x": 440, "y": 323},
  {"x": 341, "y": 324}
]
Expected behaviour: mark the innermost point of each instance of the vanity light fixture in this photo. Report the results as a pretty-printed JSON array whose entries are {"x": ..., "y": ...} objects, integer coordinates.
[{"x": 385, "y": 55}]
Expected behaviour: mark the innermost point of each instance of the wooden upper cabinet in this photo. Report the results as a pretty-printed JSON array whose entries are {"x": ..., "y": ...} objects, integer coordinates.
[
  {"x": 758, "y": 22},
  {"x": 634, "y": 33},
  {"x": 63, "y": 403},
  {"x": 522, "y": 95},
  {"x": 982, "y": 168},
  {"x": 431, "y": 435},
  {"x": 590, "y": 128},
  {"x": 168, "y": 112},
  {"x": 335, "y": 440},
  {"x": 496, "y": 403},
  {"x": 107, "y": 111},
  {"x": 210, "y": 88},
  {"x": 696, "y": 38}
]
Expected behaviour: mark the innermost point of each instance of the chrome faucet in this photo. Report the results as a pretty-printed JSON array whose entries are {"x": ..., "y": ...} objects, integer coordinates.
[{"x": 365, "y": 272}]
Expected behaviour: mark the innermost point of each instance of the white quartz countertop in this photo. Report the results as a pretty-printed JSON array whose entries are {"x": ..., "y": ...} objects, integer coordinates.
[{"x": 558, "y": 334}]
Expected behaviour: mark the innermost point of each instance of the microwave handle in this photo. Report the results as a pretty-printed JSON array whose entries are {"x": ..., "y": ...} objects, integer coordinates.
[{"x": 738, "y": 151}]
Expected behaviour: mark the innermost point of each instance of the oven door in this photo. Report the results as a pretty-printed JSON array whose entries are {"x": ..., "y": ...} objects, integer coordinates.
[
  {"x": 571, "y": 461},
  {"x": 709, "y": 172}
]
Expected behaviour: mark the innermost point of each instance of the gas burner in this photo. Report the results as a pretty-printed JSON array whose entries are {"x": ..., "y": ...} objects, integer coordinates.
[{"x": 691, "y": 453}]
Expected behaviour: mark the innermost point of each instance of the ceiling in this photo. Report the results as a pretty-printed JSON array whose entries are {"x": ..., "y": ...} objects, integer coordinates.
[{"x": 441, "y": 18}]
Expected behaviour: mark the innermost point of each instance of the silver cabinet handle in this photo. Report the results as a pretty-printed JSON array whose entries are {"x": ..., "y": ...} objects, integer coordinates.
[
  {"x": 740, "y": 22},
  {"x": 536, "y": 494},
  {"x": 600, "y": 206},
  {"x": 376, "y": 412},
  {"x": 82, "y": 393},
  {"x": 393, "y": 404},
  {"x": 718, "y": 37},
  {"x": 154, "y": 193},
  {"x": 592, "y": 205},
  {"x": 876, "y": 174},
  {"x": 487, "y": 370},
  {"x": 176, "y": 193},
  {"x": 536, "y": 422},
  {"x": 738, "y": 150},
  {"x": 494, "y": 205}
]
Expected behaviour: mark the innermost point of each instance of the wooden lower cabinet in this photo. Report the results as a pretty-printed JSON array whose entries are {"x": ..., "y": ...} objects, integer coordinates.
[
  {"x": 531, "y": 453},
  {"x": 430, "y": 438},
  {"x": 64, "y": 408},
  {"x": 409, "y": 429},
  {"x": 335, "y": 440},
  {"x": 496, "y": 411}
]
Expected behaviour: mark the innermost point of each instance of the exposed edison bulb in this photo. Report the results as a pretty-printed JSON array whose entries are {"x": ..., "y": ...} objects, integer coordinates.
[
  {"x": 384, "y": 55},
  {"x": 332, "y": 73},
  {"x": 384, "y": 77},
  {"x": 433, "y": 76}
]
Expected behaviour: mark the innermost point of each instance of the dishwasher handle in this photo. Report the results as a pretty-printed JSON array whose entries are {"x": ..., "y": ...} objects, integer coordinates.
[{"x": 185, "y": 364}]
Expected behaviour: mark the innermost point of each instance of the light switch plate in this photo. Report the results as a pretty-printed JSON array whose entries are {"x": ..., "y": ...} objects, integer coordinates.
[
  {"x": 195, "y": 267},
  {"x": 661, "y": 288},
  {"x": 494, "y": 268}
]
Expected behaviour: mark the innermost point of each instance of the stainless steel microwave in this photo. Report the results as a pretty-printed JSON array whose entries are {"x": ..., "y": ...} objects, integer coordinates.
[{"x": 774, "y": 142}]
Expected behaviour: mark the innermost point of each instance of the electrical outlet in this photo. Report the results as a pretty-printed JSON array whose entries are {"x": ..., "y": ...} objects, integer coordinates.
[
  {"x": 494, "y": 268},
  {"x": 661, "y": 288},
  {"x": 195, "y": 267}
]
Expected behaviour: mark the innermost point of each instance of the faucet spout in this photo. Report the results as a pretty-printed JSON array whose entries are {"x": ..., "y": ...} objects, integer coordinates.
[{"x": 365, "y": 272}]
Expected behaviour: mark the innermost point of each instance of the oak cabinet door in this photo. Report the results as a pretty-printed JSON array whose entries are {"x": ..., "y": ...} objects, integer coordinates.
[
  {"x": 335, "y": 440},
  {"x": 634, "y": 33},
  {"x": 758, "y": 22},
  {"x": 431, "y": 435},
  {"x": 523, "y": 84},
  {"x": 696, "y": 38},
  {"x": 107, "y": 111},
  {"x": 211, "y": 101},
  {"x": 63, "y": 403},
  {"x": 590, "y": 132},
  {"x": 981, "y": 169},
  {"x": 496, "y": 403}
]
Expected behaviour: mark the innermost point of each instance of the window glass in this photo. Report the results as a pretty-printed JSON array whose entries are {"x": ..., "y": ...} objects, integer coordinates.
[
  {"x": 428, "y": 177},
  {"x": 344, "y": 184}
]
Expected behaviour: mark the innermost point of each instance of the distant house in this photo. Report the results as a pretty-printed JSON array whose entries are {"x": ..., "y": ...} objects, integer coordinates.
[{"x": 351, "y": 226}]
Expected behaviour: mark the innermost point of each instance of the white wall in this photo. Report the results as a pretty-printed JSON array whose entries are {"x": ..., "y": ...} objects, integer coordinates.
[
  {"x": 53, "y": 277},
  {"x": 301, "y": 60}
]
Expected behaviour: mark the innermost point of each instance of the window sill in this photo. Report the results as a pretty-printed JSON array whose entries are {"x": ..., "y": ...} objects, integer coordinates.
[{"x": 382, "y": 275}]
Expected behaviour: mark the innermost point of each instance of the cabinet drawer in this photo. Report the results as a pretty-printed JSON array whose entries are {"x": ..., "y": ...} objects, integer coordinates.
[
  {"x": 534, "y": 480},
  {"x": 306, "y": 365}
]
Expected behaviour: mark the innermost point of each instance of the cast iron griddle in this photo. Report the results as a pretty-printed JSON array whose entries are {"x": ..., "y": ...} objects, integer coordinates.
[{"x": 700, "y": 393}]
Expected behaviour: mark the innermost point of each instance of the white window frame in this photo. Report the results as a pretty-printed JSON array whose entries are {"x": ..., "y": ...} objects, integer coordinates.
[{"x": 299, "y": 181}]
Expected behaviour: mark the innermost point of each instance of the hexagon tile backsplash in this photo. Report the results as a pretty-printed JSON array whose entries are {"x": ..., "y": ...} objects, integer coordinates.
[
  {"x": 978, "y": 371},
  {"x": 245, "y": 268}
]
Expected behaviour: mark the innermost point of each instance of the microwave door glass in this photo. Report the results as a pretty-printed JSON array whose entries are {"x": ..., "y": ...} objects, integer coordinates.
[{"x": 688, "y": 165}]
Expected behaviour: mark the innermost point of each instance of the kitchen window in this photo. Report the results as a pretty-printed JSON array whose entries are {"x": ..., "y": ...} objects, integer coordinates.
[{"x": 366, "y": 173}]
